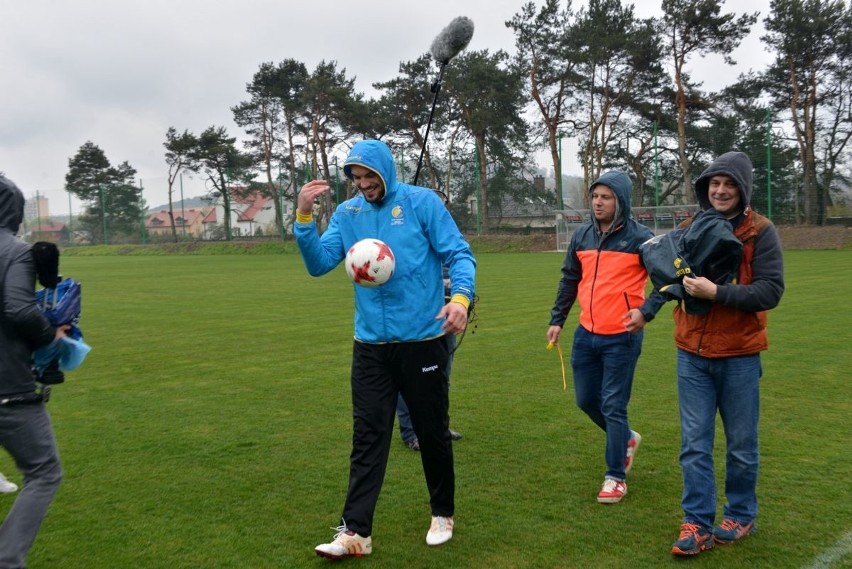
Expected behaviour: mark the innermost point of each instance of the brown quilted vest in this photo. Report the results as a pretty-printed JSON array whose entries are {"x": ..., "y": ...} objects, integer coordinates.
[{"x": 726, "y": 331}]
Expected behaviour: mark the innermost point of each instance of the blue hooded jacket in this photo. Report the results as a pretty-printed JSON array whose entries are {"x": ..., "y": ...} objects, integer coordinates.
[{"x": 423, "y": 236}]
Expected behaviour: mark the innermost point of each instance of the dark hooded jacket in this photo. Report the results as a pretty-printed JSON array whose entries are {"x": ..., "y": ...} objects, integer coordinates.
[
  {"x": 603, "y": 270},
  {"x": 23, "y": 327},
  {"x": 707, "y": 247},
  {"x": 736, "y": 323}
]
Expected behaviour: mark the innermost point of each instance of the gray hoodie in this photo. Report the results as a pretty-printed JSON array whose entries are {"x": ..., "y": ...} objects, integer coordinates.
[{"x": 738, "y": 166}]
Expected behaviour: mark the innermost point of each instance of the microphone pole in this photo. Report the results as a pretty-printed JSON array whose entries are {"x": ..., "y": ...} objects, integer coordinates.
[
  {"x": 436, "y": 88},
  {"x": 446, "y": 46}
]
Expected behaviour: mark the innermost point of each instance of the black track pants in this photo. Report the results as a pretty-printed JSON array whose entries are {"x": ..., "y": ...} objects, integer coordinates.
[{"x": 418, "y": 370}]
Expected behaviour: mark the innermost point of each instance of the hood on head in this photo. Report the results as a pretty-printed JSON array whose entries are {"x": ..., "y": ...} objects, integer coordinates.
[
  {"x": 738, "y": 166},
  {"x": 11, "y": 205},
  {"x": 376, "y": 156},
  {"x": 621, "y": 185}
]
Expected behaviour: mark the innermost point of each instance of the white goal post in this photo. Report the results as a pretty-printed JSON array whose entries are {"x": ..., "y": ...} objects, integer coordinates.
[{"x": 659, "y": 219}]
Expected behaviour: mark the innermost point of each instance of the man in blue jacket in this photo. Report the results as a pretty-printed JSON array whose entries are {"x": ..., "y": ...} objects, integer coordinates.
[{"x": 401, "y": 331}]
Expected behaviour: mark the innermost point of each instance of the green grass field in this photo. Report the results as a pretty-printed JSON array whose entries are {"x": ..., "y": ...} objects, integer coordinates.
[{"x": 210, "y": 427}]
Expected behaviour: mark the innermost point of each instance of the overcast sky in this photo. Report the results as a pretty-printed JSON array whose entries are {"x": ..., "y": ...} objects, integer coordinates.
[{"x": 120, "y": 73}]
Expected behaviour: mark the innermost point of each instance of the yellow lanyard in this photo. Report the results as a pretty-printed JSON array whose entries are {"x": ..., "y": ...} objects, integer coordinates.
[{"x": 550, "y": 346}]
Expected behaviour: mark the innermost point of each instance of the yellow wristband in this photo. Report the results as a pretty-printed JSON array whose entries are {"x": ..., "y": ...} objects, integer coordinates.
[
  {"x": 304, "y": 218},
  {"x": 461, "y": 299}
]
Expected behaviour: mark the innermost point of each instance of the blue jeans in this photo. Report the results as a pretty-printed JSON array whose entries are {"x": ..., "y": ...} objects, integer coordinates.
[
  {"x": 603, "y": 369},
  {"x": 26, "y": 433},
  {"x": 731, "y": 386}
]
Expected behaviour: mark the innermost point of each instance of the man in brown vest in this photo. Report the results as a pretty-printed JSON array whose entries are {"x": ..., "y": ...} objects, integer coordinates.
[{"x": 718, "y": 364}]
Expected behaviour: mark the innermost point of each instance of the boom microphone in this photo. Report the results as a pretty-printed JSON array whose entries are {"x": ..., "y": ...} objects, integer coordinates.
[
  {"x": 452, "y": 40},
  {"x": 446, "y": 46}
]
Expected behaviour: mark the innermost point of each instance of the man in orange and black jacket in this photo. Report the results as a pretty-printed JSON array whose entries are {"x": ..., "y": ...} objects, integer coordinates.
[{"x": 603, "y": 270}]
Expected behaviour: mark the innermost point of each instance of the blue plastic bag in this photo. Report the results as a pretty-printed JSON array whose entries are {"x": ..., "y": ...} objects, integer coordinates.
[{"x": 70, "y": 353}]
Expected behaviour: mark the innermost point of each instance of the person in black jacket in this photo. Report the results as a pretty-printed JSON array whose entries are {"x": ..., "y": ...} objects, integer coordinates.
[{"x": 25, "y": 427}]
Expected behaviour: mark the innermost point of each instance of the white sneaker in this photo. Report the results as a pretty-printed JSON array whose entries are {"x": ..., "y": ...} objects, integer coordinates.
[
  {"x": 441, "y": 530},
  {"x": 345, "y": 544},
  {"x": 7, "y": 487},
  {"x": 632, "y": 445}
]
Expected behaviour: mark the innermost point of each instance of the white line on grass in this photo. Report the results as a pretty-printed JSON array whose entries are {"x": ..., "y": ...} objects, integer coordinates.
[{"x": 833, "y": 554}]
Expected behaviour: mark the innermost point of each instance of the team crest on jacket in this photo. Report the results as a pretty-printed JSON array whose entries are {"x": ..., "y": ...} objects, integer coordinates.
[{"x": 398, "y": 215}]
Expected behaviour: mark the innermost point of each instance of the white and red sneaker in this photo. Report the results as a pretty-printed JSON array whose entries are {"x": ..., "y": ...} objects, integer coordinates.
[
  {"x": 345, "y": 543},
  {"x": 632, "y": 445},
  {"x": 6, "y": 486},
  {"x": 441, "y": 530},
  {"x": 612, "y": 491}
]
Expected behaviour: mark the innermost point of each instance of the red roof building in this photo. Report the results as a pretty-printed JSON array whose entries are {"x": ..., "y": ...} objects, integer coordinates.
[
  {"x": 42, "y": 231},
  {"x": 251, "y": 216},
  {"x": 188, "y": 222}
]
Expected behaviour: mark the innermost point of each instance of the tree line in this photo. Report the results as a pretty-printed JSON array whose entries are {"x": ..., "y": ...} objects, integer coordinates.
[{"x": 598, "y": 74}]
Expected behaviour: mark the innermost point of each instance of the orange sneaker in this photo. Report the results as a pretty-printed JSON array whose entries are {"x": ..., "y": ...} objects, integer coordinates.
[
  {"x": 731, "y": 530},
  {"x": 693, "y": 540}
]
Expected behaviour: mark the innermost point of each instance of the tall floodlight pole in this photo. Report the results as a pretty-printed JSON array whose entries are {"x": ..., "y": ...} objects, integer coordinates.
[
  {"x": 769, "y": 163},
  {"x": 70, "y": 221},
  {"x": 656, "y": 177},
  {"x": 38, "y": 212},
  {"x": 478, "y": 189},
  {"x": 281, "y": 201},
  {"x": 143, "y": 234},
  {"x": 103, "y": 213},
  {"x": 337, "y": 181},
  {"x": 182, "y": 209},
  {"x": 561, "y": 176}
]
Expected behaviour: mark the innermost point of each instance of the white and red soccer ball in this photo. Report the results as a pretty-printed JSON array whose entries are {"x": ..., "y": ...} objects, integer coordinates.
[{"x": 370, "y": 263}]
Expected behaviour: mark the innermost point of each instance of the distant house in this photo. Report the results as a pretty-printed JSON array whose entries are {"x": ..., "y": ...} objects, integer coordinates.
[
  {"x": 259, "y": 214},
  {"x": 532, "y": 213},
  {"x": 251, "y": 216},
  {"x": 188, "y": 222},
  {"x": 43, "y": 231},
  {"x": 210, "y": 224}
]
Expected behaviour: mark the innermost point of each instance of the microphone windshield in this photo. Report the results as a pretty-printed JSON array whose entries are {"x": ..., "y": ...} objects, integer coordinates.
[{"x": 452, "y": 39}]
